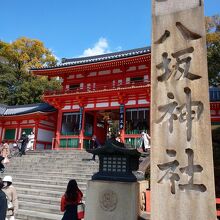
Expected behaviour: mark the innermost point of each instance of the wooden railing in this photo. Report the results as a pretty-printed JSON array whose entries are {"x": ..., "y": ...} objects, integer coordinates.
[{"x": 99, "y": 87}]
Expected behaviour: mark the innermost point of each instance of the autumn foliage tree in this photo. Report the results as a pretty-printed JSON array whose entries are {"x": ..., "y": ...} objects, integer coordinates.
[
  {"x": 25, "y": 53},
  {"x": 17, "y": 84},
  {"x": 213, "y": 49}
]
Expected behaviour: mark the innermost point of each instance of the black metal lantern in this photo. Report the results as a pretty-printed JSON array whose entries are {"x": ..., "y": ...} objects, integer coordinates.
[{"x": 116, "y": 162}]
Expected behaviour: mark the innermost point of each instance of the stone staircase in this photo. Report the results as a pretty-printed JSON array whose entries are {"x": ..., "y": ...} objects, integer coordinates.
[{"x": 41, "y": 177}]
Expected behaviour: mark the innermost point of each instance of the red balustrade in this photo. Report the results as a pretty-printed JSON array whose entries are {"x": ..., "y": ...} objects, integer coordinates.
[{"x": 99, "y": 87}]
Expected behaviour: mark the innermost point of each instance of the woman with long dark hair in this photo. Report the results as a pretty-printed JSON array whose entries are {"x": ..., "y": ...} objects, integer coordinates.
[{"x": 69, "y": 201}]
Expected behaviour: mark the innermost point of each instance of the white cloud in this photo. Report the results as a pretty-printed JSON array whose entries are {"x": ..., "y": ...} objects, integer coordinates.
[
  {"x": 56, "y": 57},
  {"x": 119, "y": 48},
  {"x": 100, "y": 47}
]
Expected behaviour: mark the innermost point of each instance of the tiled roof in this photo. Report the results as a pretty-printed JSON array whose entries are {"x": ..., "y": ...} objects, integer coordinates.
[
  {"x": 100, "y": 58},
  {"x": 2, "y": 109},
  {"x": 25, "y": 109}
]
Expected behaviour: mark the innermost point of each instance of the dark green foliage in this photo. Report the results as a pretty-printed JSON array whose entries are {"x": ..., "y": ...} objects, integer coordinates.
[{"x": 213, "y": 57}]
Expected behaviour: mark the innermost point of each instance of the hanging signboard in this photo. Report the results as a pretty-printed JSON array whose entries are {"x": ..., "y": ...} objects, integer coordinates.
[
  {"x": 80, "y": 117},
  {"x": 121, "y": 117}
]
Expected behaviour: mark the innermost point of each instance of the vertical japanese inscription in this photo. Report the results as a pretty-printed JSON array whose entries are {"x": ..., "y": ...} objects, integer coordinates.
[
  {"x": 180, "y": 147},
  {"x": 185, "y": 112}
]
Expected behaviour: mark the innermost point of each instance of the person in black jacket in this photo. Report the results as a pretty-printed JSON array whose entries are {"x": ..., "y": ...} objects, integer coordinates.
[
  {"x": 94, "y": 144},
  {"x": 24, "y": 141},
  {"x": 3, "y": 202},
  {"x": 2, "y": 167}
]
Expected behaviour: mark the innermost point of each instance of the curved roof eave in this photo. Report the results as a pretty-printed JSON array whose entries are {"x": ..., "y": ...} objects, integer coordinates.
[
  {"x": 26, "y": 109},
  {"x": 82, "y": 61}
]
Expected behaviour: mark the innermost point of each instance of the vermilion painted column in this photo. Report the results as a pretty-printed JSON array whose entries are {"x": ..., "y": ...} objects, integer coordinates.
[
  {"x": 18, "y": 131},
  {"x": 36, "y": 134},
  {"x": 3, "y": 124},
  {"x": 59, "y": 123},
  {"x": 81, "y": 136},
  {"x": 95, "y": 123}
]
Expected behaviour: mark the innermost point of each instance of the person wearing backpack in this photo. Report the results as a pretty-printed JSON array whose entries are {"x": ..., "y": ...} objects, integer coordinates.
[
  {"x": 11, "y": 194},
  {"x": 3, "y": 202}
]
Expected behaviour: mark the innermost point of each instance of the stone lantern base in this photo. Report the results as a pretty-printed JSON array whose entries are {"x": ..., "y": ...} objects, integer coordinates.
[{"x": 111, "y": 200}]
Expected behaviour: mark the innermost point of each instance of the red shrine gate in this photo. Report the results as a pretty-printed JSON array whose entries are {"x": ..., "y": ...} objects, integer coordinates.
[{"x": 103, "y": 94}]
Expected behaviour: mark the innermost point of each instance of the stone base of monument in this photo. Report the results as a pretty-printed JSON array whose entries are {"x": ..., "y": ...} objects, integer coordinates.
[{"x": 112, "y": 200}]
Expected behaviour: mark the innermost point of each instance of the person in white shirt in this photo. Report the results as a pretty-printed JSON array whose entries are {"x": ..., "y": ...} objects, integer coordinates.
[
  {"x": 30, "y": 144},
  {"x": 145, "y": 141}
]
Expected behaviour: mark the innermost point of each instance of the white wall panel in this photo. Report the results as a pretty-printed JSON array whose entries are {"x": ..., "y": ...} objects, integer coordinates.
[
  {"x": 142, "y": 101},
  {"x": 92, "y": 74},
  {"x": 104, "y": 72},
  {"x": 67, "y": 107},
  {"x": 116, "y": 71},
  {"x": 104, "y": 104},
  {"x": 131, "y": 68},
  {"x": 75, "y": 106},
  {"x": 44, "y": 135},
  {"x": 115, "y": 104},
  {"x": 24, "y": 122},
  {"x": 90, "y": 106},
  {"x": 79, "y": 76},
  {"x": 141, "y": 67},
  {"x": 131, "y": 102},
  {"x": 71, "y": 77}
]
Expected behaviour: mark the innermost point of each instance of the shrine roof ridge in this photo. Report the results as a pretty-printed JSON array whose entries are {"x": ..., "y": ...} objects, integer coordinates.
[
  {"x": 25, "y": 109},
  {"x": 100, "y": 58}
]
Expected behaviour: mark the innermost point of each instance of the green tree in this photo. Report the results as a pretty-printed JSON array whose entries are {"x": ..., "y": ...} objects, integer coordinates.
[
  {"x": 8, "y": 80},
  {"x": 17, "y": 84},
  {"x": 213, "y": 49}
]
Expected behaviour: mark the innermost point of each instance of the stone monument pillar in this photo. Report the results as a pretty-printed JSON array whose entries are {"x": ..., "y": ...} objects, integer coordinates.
[{"x": 182, "y": 178}]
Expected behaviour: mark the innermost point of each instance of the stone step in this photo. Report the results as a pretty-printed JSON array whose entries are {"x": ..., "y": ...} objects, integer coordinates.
[
  {"x": 60, "y": 156},
  {"x": 35, "y": 215},
  {"x": 50, "y": 181},
  {"x": 47, "y": 176},
  {"x": 42, "y": 192},
  {"x": 40, "y": 199},
  {"x": 55, "y": 162},
  {"x": 48, "y": 208},
  {"x": 55, "y": 169},
  {"x": 74, "y": 151},
  {"x": 45, "y": 186},
  {"x": 52, "y": 160},
  {"x": 50, "y": 173}
]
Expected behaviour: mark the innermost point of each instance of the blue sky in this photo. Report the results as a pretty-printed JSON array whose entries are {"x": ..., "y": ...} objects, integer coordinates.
[{"x": 72, "y": 28}]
